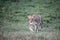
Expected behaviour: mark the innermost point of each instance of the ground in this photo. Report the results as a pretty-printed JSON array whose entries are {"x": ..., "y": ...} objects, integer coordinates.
[{"x": 20, "y": 31}]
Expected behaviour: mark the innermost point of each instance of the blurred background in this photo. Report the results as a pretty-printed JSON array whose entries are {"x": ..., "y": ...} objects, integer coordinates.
[{"x": 14, "y": 22}]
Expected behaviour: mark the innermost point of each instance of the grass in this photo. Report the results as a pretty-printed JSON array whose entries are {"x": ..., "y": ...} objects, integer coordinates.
[
  {"x": 20, "y": 31},
  {"x": 26, "y": 35},
  {"x": 13, "y": 19}
]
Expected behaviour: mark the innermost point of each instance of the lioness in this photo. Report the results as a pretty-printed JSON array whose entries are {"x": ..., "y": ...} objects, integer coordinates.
[{"x": 36, "y": 21}]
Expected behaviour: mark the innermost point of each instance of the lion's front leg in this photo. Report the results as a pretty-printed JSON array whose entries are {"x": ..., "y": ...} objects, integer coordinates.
[
  {"x": 36, "y": 28},
  {"x": 30, "y": 27}
]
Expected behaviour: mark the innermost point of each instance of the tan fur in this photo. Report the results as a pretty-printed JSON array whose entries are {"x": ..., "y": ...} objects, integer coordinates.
[{"x": 34, "y": 20}]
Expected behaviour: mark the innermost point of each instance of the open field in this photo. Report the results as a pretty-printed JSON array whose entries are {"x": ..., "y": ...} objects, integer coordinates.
[
  {"x": 20, "y": 31},
  {"x": 14, "y": 22}
]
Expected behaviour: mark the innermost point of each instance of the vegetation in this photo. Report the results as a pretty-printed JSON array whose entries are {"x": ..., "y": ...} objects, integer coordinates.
[{"x": 14, "y": 22}]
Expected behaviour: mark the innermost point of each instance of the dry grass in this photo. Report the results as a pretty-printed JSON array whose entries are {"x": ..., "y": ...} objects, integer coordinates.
[{"x": 25, "y": 35}]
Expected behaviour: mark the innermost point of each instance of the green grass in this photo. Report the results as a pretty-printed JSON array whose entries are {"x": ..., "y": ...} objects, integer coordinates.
[
  {"x": 20, "y": 31},
  {"x": 14, "y": 22}
]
